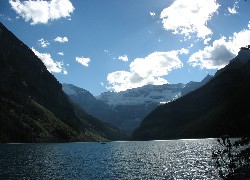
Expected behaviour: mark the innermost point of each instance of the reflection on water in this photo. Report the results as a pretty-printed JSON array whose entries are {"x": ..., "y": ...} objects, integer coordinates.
[{"x": 177, "y": 159}]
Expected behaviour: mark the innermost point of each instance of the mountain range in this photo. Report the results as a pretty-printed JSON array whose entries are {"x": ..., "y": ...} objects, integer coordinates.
[
  {"x": 220, "y": 107},
  {"x": 126, "y": 109},
  {"x": 33, "y": 107}
]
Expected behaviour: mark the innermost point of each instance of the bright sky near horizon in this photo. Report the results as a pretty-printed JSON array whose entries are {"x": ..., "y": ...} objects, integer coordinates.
[{"x": 117, "y": 45}]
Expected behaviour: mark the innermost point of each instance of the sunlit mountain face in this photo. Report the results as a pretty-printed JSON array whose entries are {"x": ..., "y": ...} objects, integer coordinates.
[{"x": 115, "y": 46}]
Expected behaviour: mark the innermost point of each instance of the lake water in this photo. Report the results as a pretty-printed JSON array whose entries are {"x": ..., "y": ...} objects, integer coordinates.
[{"x": 175, "y": 159}]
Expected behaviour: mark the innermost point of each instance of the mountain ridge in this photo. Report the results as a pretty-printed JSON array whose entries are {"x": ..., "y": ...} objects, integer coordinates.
[
  {"x": 126, "y": 109},
  {"x": 217, "y": 108}
]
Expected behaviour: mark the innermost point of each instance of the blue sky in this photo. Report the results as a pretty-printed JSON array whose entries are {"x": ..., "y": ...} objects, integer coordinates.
[{"x": 116, "y": 45}]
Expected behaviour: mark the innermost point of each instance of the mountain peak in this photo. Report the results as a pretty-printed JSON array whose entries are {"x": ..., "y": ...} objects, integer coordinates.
[
  {"x": 244, "y": 54},
  {"x": 206, "y": 79},
  {"x": 242, "y": 58},
  {"x": 71, "y": 89}
]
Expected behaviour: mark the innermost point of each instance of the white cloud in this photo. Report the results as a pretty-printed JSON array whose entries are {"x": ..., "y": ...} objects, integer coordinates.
[
  {"x": 221, "y": 51},
  {"x": 148, "y": 70},
  {"x": 43, "y": 43},
  {"x": 123, "y": 58},
  {"x": 60, "y": 53},
  {"x": 52, "y": 66},
  {"x": 233, "y": 10},
  {"x": 152, "y": 14},
  {"x": 183, "y": 51},
  {"x": 207, "y": 40},
  {"x": 188, "y": 17},
  {"x": 41, "y": 11},
  {"x": 65, "y": 71},
  {"x": 83, "y": 61},
  {"x": 61, "y": 39}
]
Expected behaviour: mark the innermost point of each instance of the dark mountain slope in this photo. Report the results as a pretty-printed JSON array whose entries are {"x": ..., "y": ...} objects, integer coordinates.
[
  {"x": 191, "y": 86},
  {"x": 217, "y": 108},
  {"x": 30, "y": 122},
  {"x": 33, "y": 105},
  {"x": 91, "y": 105}
]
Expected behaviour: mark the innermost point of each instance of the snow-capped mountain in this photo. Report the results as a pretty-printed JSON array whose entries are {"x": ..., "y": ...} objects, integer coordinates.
[
  {"x": 156, "y": 94},
  {"x": 127, "y": 109}
]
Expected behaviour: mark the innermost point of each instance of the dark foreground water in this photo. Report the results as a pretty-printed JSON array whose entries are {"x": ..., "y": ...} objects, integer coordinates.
[{"x": 177, "y": 159}]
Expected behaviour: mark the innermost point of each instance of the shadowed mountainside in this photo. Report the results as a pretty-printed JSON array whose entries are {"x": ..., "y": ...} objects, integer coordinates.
[
  {"x": 219, "y": 107},
  {"x": 33, "y": 107},
  {"x": 91, "y": 105}
]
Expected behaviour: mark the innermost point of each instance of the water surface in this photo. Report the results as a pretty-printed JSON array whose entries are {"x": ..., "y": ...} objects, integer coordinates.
[{"x": 175, "y": 159}]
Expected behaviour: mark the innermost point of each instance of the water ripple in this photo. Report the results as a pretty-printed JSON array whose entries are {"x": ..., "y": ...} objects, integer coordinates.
[{"x": 177, "y": 159}]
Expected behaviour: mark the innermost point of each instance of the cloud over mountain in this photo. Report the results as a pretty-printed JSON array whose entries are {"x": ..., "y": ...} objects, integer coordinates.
[
  {"x": 222, "y": 50},
  {"x": 148, "y": 70},
  {"x": 40, "y": 11}
]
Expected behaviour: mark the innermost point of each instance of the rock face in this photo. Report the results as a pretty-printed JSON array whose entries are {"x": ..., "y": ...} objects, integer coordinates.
[
  {"x": 127, "y": 109},
  {"x": 33, "y": 106},
  {"x": 219, "y": 107}
]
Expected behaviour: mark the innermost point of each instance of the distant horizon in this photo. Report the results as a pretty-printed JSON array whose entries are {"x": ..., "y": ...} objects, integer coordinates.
[{"x": 115, "y": 46}]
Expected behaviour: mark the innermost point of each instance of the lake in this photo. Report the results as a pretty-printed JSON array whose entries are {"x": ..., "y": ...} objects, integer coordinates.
[{"x": 173, "y": 159}]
